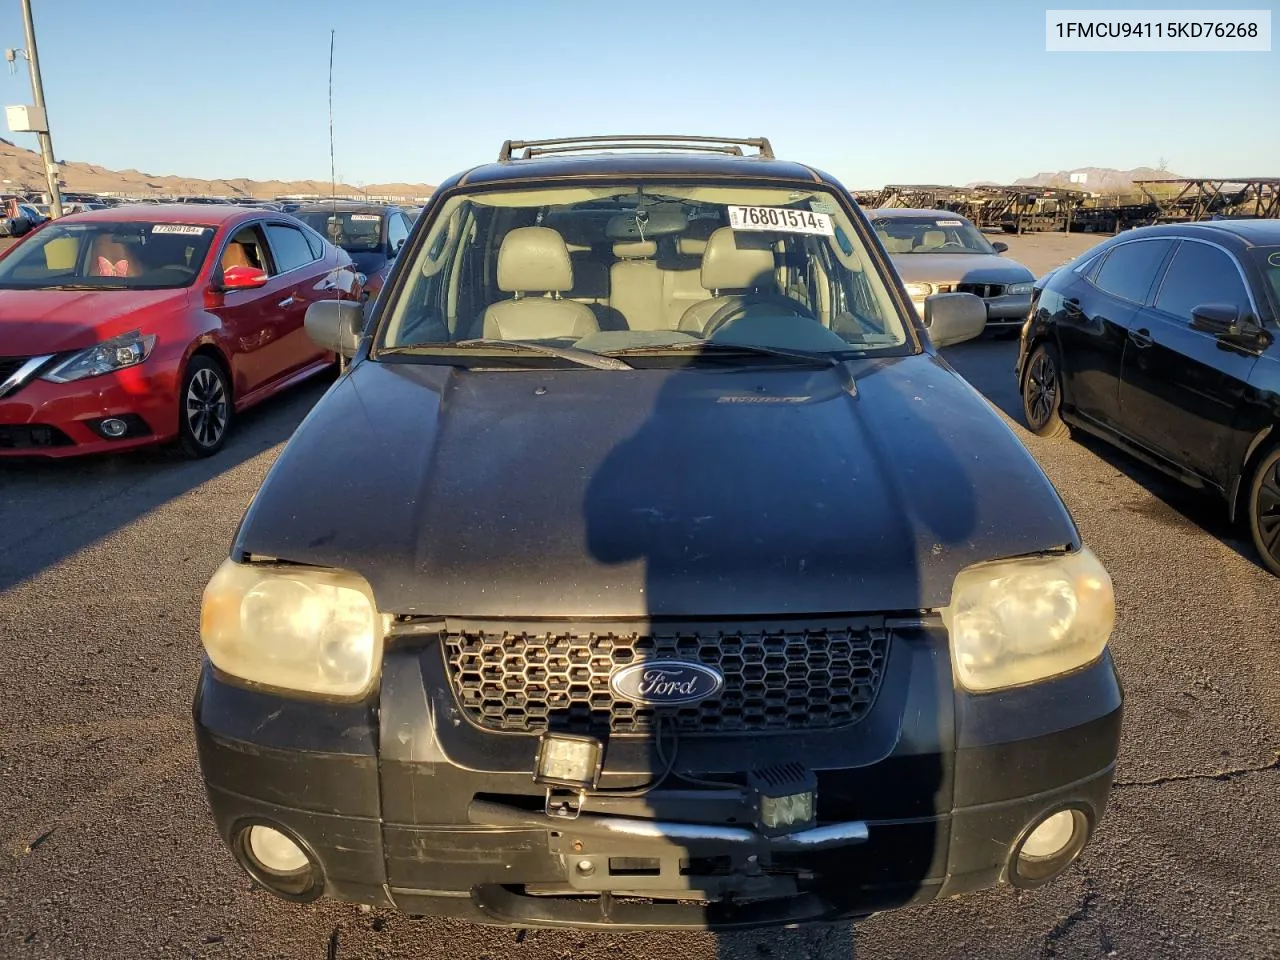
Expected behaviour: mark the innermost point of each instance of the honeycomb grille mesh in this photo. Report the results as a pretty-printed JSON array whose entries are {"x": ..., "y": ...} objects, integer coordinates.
[{"x": 518, "y": 680}]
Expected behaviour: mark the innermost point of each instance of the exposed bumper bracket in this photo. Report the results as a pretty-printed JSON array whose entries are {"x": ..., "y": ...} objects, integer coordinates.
[{"x": 631, "y": 830}]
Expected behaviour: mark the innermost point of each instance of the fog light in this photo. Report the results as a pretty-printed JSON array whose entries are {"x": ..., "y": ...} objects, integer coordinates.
[
  {"x": 279, "y": 862},
  {"x": 569, "y": 761},
  {"x": 1051, "y": 837},
  {"x": 1049, "y": 848},
  {"x": 114, "y": 427},
  {"x": 275, "y": 851}
]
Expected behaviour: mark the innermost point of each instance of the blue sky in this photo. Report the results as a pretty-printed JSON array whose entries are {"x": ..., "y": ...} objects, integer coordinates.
[{"x": 907, "y": 91}]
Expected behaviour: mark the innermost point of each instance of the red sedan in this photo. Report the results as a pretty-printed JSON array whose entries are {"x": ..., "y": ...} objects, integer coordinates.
[{"x": 140, "y": 325}]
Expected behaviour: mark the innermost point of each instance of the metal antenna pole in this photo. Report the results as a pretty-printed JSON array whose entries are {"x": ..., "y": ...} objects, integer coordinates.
[{"x": 37, "y": 90}]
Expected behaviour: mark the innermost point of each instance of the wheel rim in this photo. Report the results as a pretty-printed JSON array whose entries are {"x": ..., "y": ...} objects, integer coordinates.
[
  {"x": 206, "y": 404},
  {"x": 1042, "y": 389},
  {"x": 1267, "y": 510}
]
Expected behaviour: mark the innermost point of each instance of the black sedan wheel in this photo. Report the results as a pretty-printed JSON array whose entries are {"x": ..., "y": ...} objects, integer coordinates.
[
  {"x": 1264, "y": 510},
  {"x": 1042, "y": 392},
  {"x": 204, "y": 408}
]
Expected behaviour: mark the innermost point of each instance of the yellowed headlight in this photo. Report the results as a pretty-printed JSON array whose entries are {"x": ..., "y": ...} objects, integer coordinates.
[
  {"x": 1019, "y": 621},
  {"x": 293, "y": 628}
]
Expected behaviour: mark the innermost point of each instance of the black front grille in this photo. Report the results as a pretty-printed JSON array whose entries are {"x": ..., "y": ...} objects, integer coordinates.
[
  {"x": 32, "y": 437},
  {"x": 984, "y": 290},
  {"x": 783, "y": 677}
]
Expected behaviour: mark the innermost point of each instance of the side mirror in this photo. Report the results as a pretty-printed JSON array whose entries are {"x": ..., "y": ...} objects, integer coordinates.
[
  {"x": 999, "y": 246},
  {"x": 954, "y": 317},
  {"x": 243, "y": 278},
  {"x": 335, "y": 325},
  {"x": 1234, "y": 328},
  {"x": 1220, "y": 319}
]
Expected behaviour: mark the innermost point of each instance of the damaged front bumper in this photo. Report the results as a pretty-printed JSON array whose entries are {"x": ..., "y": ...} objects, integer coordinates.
[{"x": 401, "y": 803}]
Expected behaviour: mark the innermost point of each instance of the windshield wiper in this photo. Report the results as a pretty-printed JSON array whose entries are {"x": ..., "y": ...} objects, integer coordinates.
[
  {"x": 83, "y": 286},
  {"x": 728, "y": 349},
  {"x": 584, "y": 357}
]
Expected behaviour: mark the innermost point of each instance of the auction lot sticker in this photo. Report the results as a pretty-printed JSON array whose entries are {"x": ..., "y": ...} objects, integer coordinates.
[
  {"x": 1157, "y": 31},
  {"x": 780, "y": 218},
  {"x": 183, "y": 229}
]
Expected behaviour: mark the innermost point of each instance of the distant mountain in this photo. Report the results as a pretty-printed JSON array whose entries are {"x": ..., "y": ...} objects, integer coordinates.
[
  {"x": 24, "y": 171},
  {"x": 1098, "y": 179}
]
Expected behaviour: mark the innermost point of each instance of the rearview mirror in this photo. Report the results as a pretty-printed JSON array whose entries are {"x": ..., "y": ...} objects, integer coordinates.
[
  {"x": 999, "y": 246},
  {"x": 954, "y": 317},
  {"x": 243, "y": 278},
  {"x": 335, "y": 325}
]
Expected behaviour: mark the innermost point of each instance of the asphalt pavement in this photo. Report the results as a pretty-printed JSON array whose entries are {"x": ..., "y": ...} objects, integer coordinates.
[{"x": 107, "y": 850}]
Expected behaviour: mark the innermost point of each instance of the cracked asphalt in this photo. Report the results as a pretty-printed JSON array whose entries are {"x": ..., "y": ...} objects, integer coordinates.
[{"x": 106, "y": 849}]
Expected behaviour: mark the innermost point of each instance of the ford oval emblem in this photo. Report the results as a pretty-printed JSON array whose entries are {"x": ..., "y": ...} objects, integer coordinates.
[{"x": 666, "y": 683}]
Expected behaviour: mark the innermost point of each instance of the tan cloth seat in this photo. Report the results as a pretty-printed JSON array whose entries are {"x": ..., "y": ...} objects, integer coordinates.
[
  {"x": 236, "y": 255},
  {"x": 635, "y": 285},
  {"x": 111, "y": 258},
  {"x": 734, "y": 263},
  {"x": 536, "y": 260},
  {"x": 932, "y": 239}
]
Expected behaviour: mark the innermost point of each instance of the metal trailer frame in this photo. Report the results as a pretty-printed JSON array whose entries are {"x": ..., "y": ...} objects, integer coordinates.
[
  {"x": 1014, "y": 209},
  {"x": 1203, "y": 198}
]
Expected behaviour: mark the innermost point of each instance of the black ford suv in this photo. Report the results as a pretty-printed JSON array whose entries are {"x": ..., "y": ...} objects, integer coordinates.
[{"x": 648, "y": 567}]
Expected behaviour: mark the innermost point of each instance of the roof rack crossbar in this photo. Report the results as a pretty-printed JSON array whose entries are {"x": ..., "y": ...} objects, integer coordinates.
[{"x": 640, "y": 141}]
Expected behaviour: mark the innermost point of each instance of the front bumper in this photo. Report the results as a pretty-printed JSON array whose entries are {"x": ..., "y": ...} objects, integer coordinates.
[
  {"x": 58, "y": 419},
  {"x": 403, "y": 804}
]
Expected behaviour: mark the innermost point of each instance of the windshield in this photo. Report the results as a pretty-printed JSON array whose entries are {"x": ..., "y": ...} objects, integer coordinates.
[
  {"x": 627, "y": 269},
  {"x": 1269, "y": 259},
  {"x": 353, "y": 232},
  {"x": 108, "y": 256},
  {"x": 940, "y": 234}
]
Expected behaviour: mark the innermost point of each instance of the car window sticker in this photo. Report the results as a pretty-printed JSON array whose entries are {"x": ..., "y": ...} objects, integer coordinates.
[
  {"x": 186, "y": 230},
  {"x": 780, "y": 219}
]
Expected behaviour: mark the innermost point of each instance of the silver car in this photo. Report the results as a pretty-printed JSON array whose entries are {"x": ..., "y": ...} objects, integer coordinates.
[{"x": 937, "y": 251}]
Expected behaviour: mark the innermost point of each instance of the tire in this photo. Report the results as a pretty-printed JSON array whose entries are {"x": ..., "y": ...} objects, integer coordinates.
[
  {"x": 1264, "y": 510},
  {"x": 204, "y": 408},
  {"x": 1042, "y": 393}
]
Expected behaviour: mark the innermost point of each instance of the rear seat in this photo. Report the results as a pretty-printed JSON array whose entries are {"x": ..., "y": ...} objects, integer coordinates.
[
  {"x": 636, "y": 285},
  {"x": 649, "y": 284},
  {"x": 682, "y": 276},
  {"x": 591, "y": 285}
]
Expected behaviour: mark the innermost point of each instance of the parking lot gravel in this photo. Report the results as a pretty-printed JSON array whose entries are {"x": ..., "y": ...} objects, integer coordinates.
[{"x": 107, "y": 849}]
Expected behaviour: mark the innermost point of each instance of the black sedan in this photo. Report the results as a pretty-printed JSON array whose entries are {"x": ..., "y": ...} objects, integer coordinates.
[
  {"x": 1162, "y": 341},
  {"x": 372, "y": 233}
]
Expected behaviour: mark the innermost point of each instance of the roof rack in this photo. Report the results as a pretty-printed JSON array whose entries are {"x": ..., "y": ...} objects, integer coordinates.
[{"x": 641, "y": 141}]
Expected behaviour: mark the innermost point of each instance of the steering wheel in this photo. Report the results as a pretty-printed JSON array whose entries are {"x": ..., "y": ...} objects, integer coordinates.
[
  {"x": 738, "y": 306},
  {"x": 952, "y": 243}
]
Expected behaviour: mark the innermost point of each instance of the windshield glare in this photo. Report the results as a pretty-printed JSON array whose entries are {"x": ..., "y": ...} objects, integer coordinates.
[
  {"x": 1269, "y": 259},
  {"x": 613, "y": 269},
  {"x": 113, "y": 256},
  {"x": 940, "y": 234},
  {"x": 353, "y": 232}
]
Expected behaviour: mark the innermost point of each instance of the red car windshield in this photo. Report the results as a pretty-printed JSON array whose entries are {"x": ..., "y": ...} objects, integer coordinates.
[{"x": 108, "y": 256}]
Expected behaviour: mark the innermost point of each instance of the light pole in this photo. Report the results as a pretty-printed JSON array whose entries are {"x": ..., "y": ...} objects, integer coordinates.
[{"x": 37, "y": 91}]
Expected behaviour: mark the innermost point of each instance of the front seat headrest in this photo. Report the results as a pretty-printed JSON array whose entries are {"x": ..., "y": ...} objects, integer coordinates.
[
  {"x": 737, "y": 261},
  {"x": 534, "y": 258}
]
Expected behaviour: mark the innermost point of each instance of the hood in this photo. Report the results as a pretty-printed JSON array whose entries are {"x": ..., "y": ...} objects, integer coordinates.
[
  {"x": 959, "y": 268},
  {"x": 654, "y": 493},
  {"x": 368, "y": 262},
  {"x": 34, "y": 322}
]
